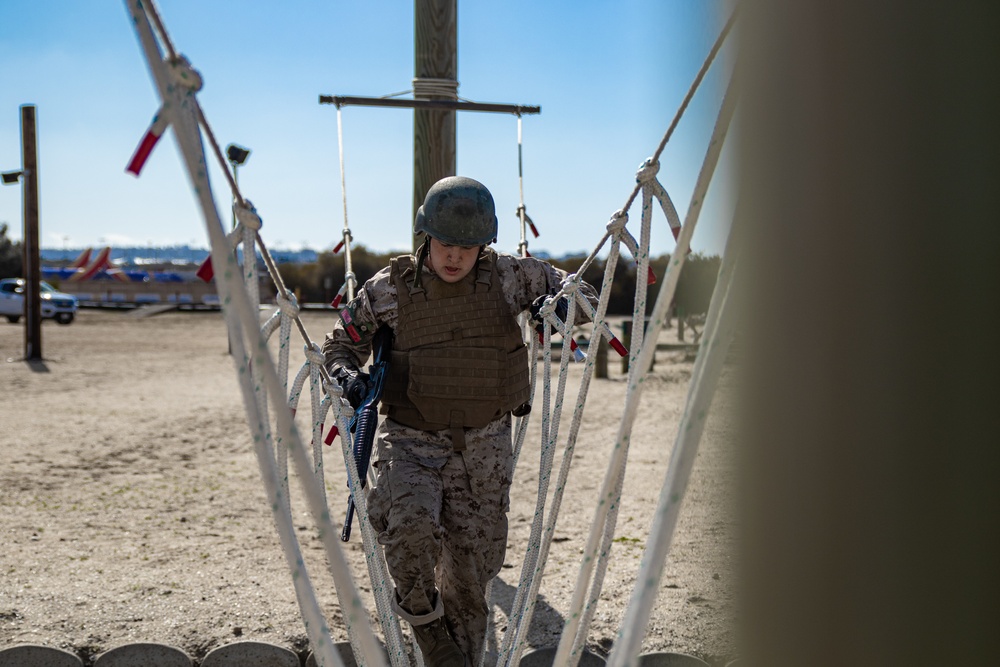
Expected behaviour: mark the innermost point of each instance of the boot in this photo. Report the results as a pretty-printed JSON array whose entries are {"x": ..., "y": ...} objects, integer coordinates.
[{"x": 435, "y": 642}]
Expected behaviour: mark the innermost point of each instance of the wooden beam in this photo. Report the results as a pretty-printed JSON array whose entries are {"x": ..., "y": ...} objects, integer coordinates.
[{"x": 452, "y": 105}]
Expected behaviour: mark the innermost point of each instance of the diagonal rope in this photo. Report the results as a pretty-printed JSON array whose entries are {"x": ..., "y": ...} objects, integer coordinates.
[
  {"x": 718, "y": 334},
  {"x": 180, "y": 103},
  {"x": 574, "y": 633}
]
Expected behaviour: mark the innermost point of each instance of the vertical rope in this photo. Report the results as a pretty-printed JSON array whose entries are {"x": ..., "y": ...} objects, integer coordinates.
[
  {"x": 522, "y": 245},
  {"x": 348, "y": 265}
]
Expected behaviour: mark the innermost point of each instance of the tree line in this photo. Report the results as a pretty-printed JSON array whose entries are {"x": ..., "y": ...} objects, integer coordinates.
[{"x": 318, "y": 282}]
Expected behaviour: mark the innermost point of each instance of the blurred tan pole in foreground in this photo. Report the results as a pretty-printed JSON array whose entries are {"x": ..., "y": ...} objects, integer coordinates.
[{"x": 870, "y": 478}]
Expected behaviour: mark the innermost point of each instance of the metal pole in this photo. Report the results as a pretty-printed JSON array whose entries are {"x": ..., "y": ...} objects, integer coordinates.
[
  {"x": 32, "y": 268},
  {"x": 435, "y": 57}
]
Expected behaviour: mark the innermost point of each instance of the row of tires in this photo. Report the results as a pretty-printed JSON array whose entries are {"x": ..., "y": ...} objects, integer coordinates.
[{"x": 262, "y": 654}]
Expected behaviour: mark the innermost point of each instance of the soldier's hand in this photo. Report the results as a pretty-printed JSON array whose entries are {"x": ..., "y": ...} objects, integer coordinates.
[
  {"x": 561, "y": 310},
  {"x": 354, "y": 383}
]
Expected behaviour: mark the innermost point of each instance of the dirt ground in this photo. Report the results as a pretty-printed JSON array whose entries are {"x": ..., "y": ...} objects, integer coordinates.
[{"x": 131, "y": 506}]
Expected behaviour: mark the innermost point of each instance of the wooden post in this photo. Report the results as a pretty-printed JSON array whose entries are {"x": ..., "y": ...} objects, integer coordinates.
[
  {"x": 601, "y": 362},
  {"x": 435, "y": 57},
  {"x": 627, "y": 342},
  {"x": 32, "y": 260}
]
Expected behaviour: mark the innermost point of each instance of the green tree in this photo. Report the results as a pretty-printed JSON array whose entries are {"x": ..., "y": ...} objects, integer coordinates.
[{"x": 11, "y": 255}]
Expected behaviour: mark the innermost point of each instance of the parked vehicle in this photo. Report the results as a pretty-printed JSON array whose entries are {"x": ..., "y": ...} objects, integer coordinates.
[{"x": 55, "y": 305}]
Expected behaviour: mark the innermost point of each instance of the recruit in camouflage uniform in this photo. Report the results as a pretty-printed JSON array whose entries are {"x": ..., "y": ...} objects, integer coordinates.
[{"x": 443, "y": 457}]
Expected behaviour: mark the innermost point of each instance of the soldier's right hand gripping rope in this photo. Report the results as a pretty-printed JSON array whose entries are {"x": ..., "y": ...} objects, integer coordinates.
[
  {"x": 366, "y": 389},
  {"x": 561, "y": 309}
]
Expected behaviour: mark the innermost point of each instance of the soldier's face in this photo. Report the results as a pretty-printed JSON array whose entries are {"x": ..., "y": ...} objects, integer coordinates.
[{"x": 451, "y": 263}]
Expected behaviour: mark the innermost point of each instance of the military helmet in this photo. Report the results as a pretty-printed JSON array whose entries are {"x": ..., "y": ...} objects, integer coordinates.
[{"x": 458, "y": 211}]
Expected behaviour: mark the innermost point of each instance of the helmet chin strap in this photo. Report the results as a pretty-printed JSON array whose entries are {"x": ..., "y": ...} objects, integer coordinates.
[{"x": 422, "y": 253}]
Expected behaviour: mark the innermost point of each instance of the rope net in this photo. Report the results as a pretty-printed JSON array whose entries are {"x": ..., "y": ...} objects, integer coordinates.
[{"x": 271, "y": 403}]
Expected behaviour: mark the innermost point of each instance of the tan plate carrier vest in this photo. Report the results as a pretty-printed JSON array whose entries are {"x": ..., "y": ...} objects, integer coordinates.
[{"x": 458, "y": 359}]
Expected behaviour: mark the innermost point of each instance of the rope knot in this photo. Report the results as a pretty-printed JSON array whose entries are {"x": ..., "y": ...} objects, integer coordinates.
[
  {"x": 247, "y": 215},
  {"x": 183, "y": 74},
  {"x": 548, "y": 307},
  {"x": 570, "y": 285},
  {"x": 287, "y": 304},
  {"x": 618, "y": 221},
  {"x": 647, "y": 171},
  {"x": 314, "y": 355}
]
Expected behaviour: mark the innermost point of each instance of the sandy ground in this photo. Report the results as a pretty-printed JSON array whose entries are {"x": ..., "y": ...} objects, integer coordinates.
[{"x": 131, "y": 507}]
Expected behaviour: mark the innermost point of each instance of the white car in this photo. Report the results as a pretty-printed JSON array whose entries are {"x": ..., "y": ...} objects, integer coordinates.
[{"x": 55, "y": 305}]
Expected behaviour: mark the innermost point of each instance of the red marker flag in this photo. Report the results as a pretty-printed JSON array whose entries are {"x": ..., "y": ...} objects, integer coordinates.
[
  {"x": 205, "y": 271},
  {"x": 153, "y": 134}
]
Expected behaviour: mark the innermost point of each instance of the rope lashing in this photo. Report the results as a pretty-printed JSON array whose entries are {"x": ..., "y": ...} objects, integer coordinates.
[
  {"x": 431, "y": 88},
  {"x": 148, "y": 142}
]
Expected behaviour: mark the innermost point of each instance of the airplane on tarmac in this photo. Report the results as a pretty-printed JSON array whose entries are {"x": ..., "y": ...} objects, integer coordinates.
[
  {"x": 81, "y": 268},
  {"x": 100, "y": 268}
]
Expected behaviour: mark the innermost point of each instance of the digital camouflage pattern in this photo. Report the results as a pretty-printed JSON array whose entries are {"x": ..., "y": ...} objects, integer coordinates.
[
  {"x": 440, "y": 515},
  {"x": 449, "y": 512}
]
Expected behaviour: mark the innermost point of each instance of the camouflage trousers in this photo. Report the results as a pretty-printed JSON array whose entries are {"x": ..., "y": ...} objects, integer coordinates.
[{"x": 442, "y": 521}]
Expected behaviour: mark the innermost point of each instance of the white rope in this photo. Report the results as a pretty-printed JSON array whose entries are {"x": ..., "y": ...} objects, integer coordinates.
[
  {"x": 375, "y": 560},
  {"x": 255, "y": 392},
  {"x": 513, "y": 657},
  {"x": 350, "y": 283},
  {"x": 718, "y": 334},
  {"x": 430, "y": 88},
  {"x": 640, "y": 252},
  {"x": 533, "y": 560},
  {"x": 181, "y": 106},
  {"x": 569, "y": 643}
]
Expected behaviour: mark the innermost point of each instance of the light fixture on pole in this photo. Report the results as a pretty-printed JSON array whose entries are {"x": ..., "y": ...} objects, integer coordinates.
[
  {"x": 237, "y": 156},
  {"x": 11, "y": 177}
]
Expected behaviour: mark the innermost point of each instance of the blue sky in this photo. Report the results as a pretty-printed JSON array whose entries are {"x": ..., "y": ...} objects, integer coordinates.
[{"x": 609, "y": 77}]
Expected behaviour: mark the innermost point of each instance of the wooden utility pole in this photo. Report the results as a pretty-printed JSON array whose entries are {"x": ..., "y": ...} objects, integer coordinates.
[
  {"x": 435, "y": 73},
  {"x": 435, "y": 93},
  {"x": 32, "y": 260}
]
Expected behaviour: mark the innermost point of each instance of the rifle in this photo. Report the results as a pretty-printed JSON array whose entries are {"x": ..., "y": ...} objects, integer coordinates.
[{"x": 365, "y": 419}]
